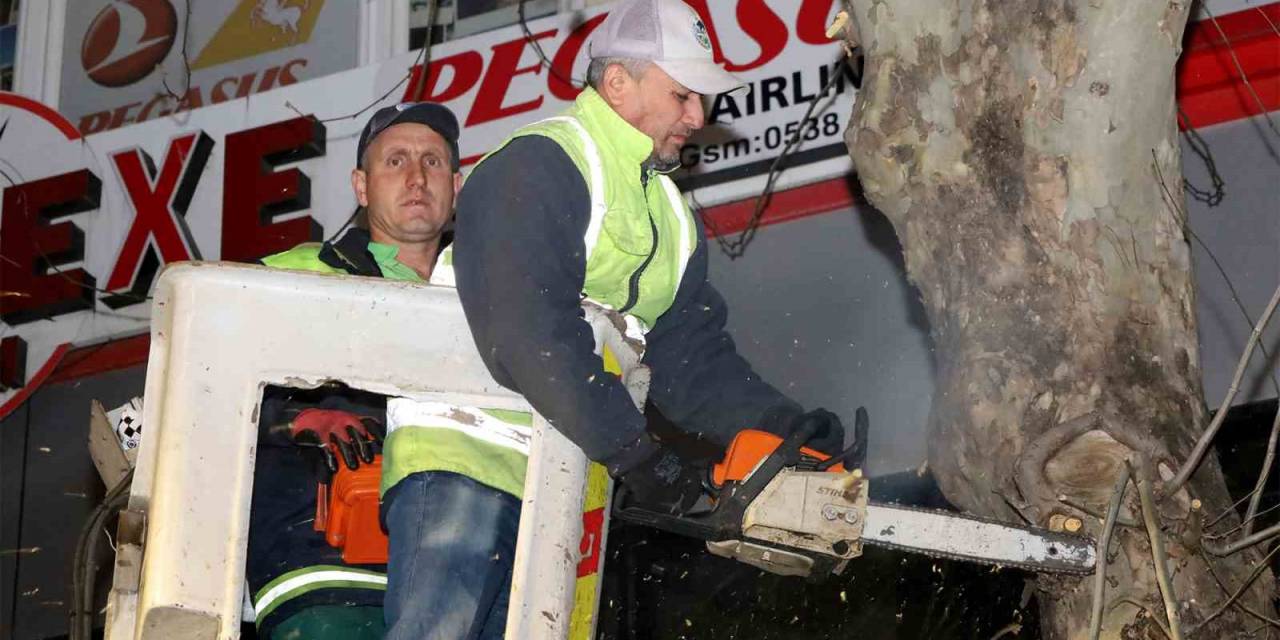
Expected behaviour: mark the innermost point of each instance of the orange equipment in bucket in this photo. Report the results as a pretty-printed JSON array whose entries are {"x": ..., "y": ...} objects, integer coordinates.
[{"x": 347, "y": 513}]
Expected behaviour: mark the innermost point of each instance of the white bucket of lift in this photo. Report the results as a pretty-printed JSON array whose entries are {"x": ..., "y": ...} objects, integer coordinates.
[{"x": 219, "y": 334}]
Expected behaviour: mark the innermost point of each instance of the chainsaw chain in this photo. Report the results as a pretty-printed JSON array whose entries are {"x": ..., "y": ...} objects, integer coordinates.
[{"x": 1065, "y": 538}]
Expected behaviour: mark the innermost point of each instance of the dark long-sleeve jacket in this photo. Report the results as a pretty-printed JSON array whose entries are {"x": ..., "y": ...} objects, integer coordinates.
[{"x": 521, "y": 263}]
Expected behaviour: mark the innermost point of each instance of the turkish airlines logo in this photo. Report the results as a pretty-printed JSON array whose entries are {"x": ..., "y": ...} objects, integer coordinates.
[{"x": 127, "y": 39}]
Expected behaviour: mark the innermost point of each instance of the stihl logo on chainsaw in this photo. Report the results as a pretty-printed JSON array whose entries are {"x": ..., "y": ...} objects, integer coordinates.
[{"x": 851, "y": 496}]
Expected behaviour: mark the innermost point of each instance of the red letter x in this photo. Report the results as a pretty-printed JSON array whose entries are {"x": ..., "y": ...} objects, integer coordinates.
[{"x": 159, "y": 207}]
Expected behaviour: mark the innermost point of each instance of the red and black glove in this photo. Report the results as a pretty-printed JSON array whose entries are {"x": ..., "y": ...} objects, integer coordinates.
[{"x": 338, "y": 433}]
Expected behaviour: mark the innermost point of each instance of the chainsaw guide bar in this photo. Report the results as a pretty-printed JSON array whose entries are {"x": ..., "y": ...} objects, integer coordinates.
[{"x": 954, "y": 536}]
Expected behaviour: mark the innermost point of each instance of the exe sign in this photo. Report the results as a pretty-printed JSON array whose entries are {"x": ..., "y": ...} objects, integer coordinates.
[
  {"x": 158, "y": 234},
  {"x": 45, "y": 265}
]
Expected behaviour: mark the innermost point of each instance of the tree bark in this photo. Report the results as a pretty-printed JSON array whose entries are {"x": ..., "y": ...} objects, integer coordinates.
[{"x": 1027, "y": 156}]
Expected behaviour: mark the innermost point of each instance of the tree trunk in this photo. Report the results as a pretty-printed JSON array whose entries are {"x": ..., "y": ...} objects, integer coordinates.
[{"x": 1026, "y": 154}]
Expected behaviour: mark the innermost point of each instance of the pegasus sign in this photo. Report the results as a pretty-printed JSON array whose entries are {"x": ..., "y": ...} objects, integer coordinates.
[{"x": 128, "y": 61}]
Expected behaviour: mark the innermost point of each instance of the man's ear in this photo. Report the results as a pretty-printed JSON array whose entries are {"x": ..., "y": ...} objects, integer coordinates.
[
  {"x": 360, "y": 185},
  {"x": 616, "y": 84},
  {"x": 457, "y": 184}
]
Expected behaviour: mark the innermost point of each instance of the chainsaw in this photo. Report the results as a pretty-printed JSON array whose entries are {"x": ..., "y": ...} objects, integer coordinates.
[{"x": 790, "y": 510}]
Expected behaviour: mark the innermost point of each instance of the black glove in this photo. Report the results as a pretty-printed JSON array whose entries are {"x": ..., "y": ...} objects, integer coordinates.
[
  {"x": 665, "y": 482},
  {"x": 829, "y": 438}
]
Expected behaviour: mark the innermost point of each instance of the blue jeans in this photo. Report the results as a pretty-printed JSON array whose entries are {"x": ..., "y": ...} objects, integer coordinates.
[{"x": 453, "y": 541}]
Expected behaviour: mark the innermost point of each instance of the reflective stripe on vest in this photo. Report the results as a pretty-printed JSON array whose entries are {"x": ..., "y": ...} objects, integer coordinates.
[
  {"x": 687, "y": 238},
  {"x": 306, "y": 580},
  {"x": 477, "y": 423},
  {"x": 596, "y": 165}
]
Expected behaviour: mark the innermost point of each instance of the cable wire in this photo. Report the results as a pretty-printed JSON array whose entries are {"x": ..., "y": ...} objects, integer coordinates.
[
  {"x": 737, "y": 247},
  {"x": 84, "y": 568},
  {"x": 1216, "y": 192},
  {"x": 186, "y": 61},
  {"x": 423, "y": 60},
  {"x": 542, "y": 55},
  {"x": 1244, "y": 78}
]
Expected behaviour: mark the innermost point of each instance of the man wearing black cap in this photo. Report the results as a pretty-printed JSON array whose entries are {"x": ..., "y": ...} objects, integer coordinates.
[
  {"x": 451, "y": 475},
  {"x": 405, "y": 180}
]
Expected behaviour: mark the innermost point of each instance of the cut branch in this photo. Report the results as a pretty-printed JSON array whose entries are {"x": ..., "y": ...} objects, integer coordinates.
[
  {"x": 1104, "y": 543},
  {"x": 1158, "y": 555}
]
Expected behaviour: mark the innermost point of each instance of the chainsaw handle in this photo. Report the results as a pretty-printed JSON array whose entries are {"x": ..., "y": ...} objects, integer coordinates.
[
  {"x": 724, "y": 521},
  {"x": 786, "y": 455},
  {"x": 856, "y": 454},
  {"x": 712, "y": 525}
]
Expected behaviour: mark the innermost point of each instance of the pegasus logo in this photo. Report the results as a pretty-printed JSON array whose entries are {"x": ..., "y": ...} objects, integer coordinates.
[
  {"x": 255, "y": 27},
  {"x": 126, "y": 40},
  {"x": 279, "y": 15}
]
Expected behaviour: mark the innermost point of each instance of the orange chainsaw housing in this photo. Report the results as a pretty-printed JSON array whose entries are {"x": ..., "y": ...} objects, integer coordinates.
[
  {"x": 748, "y": 449},
  {"x": 347, "y": 513}
]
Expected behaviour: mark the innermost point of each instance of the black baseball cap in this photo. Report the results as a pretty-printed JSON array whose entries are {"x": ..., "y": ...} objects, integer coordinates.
[{"x": 432, "y": 114}]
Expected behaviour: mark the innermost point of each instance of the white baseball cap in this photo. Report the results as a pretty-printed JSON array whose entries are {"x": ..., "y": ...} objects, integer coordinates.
[{"x": 671, "y": 35}]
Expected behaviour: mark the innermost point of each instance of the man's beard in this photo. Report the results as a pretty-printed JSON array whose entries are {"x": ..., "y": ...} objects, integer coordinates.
[
  {"x": 663, "y": 163},
  {"x": 667, "y": 162}
]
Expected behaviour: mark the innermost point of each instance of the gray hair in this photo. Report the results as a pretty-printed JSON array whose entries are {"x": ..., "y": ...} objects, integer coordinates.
[{"x": 595, "y": 71}]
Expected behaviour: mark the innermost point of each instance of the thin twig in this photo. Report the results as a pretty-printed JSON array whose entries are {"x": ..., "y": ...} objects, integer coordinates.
[
  {"x": 1254, "y": 497},
  {"x": 1252, "y": 513},
  {"x": 1150, "y": 614},
  {"x": 1104, "y": 543},
  {"x": 1257, "y": 571},
  {"x": 1228, "y": 511},
  {"x": 1239, "y": 527},
  {"x": 1244, "y": 543},
  {"x": 1158, "y": 555},
  {"x": 1206, "y": 438}
]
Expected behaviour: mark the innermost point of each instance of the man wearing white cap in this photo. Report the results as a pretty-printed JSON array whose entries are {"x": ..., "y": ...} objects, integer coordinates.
[{"x": 578, "y": 207}]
